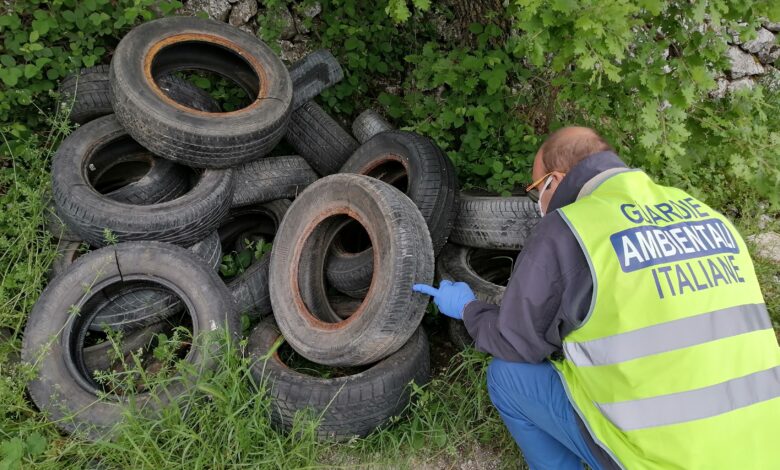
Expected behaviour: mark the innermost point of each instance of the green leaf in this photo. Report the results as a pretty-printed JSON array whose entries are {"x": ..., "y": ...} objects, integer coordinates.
[
  {"x": 422, "y": 5},
  {"x": 244, "y": 258},
  {"x": 41, "y": 26},
  {"x": 34, "y": 35},
  {"x": 352, "y": 43},
  {"x": 498, "y": 167},
  {"x": 30, "y": 70},
  {"x": 36, "y": 444},
  {"x": 68, "y": 16},
  {"x": 7, "y": 60},
  {"x": 12, "y": 451},
  {"x": 398, "y": 10},
  {"x": 10, "y": 76},
  {"x": 654, "y": 7},
  {"x": 564, "y": 6}
]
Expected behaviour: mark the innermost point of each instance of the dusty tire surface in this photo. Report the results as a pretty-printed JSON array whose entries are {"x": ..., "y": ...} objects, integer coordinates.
[
  {"x": 62, "y": 387},
  {"x": 353, "y": 405},
  {"x": 88, "y": 90},
  {"x": 494, "y": 222},
  {"x": 319, "y": 139},
  {"x": 53, "y": 222},
  {"x": 312, "y": 75},
  {"x": 90, "y": 93},
  {"x": 403, "y": 256},
  {"x": 415, "y": 165},
  {"x": 271, "y": 178},
  {"x": 184, "y": 134},
  {"x": 142, "y": 305},
  {"x": 183, "y": 221},
  {"x": 368, "y": 124}
]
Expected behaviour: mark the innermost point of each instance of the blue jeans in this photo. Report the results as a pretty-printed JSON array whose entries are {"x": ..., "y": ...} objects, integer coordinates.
[{"x": 532, "y": 403}]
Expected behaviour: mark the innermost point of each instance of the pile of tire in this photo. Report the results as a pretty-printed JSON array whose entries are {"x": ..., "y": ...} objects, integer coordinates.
[{"x": 159, "y": 182}]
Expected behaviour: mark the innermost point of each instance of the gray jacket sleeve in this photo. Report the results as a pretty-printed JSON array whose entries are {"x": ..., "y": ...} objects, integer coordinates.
[{"x": 548, "y": 296}]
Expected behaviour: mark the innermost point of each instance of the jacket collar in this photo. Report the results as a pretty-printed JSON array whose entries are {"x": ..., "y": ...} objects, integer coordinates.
[{"x": 580, "y": 174}]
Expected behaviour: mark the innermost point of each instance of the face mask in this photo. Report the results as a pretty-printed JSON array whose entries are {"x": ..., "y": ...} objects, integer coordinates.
[{"x": 541, "y": 193}]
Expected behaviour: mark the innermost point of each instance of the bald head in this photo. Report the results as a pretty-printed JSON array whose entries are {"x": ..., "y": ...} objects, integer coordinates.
[{"x": 565, "y": 147}]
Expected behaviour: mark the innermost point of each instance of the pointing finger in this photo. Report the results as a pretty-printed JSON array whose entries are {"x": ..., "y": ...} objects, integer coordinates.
[{"x": 425, "y": 289}]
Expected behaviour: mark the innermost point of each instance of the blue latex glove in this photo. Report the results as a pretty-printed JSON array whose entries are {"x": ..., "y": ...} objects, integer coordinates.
[{"x": 450, "y": 297}]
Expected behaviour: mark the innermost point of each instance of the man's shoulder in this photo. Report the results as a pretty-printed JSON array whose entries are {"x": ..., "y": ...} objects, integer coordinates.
[{"x": 552, "y": 239}]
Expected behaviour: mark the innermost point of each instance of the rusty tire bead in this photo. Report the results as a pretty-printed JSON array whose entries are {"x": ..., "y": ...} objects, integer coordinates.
[
  {"x": 190, "y": 136},
  {"x": 403, "y": 256},
  {"x": 414, "y": 164}
]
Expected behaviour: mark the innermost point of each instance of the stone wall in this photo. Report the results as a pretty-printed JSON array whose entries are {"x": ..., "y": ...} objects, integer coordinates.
[
  {"x": 250, "y": 16},
  {"x": 752, "y": 62}
]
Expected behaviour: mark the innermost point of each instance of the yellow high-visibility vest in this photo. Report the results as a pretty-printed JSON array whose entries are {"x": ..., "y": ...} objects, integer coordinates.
[{"x": 676, "y": 364}]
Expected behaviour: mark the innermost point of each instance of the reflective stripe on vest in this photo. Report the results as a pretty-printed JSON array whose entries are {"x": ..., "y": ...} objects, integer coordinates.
[
  {"x": 676, "y": 364},
  {"x": 668, "y": 336},
  {"x": 694, "y": 404}
]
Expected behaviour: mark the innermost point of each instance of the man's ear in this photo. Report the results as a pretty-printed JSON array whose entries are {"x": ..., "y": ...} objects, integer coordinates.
[{"x": 557, "y": 178}]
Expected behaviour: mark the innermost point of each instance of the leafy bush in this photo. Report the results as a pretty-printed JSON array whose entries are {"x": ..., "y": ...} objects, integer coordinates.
[
  {"x": 638, "y": 71},
  {"x": 46, "y": 40}
]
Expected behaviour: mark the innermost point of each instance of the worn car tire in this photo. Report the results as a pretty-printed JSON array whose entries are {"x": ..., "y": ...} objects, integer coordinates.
[
  {"x": 90, "y": 93},
  {"x": 414, "y": 164},
  {"x": 186, "y": 135},
  {"x": 319, "y": 139},
  {"x": 183, "y": 221},
  {"x": 486, "y": 271},
  {"x": 62, "y": 386},
  {"x": 368, "y": 124},
  {"x": 53, "y": 223},
  {"x": 353, "y": 405},
  {"x": 250, "y": 288},
  {"x": 136, "y": 307},
  {"x": 494, "y": 222},
  {"x": 208, "y": 249},
  {"x": 312, "y": 75},
  {"x": 271, "y": 178},
  {"x": 403, "y": 256}
]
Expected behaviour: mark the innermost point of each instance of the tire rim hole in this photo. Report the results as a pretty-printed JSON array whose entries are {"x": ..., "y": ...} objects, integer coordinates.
[
  {"x": 247, "y": 237},
  {"x": 220, "y": 71},
  {"x": 494, "y": 266},
  {"x": 294, "y": 361},
  {"x": 129, "y": 361},
  {"x": 352, "y": 238},
  {"x": 393, "y": 173},
  {"x": 117, "y": 164},
  {"x": 319, "y": 299}
]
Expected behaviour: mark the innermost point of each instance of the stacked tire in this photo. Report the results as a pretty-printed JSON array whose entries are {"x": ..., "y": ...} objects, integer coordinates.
[
  {"x": 159, "y": 186},
  {"x": 486, "y": 237}
]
